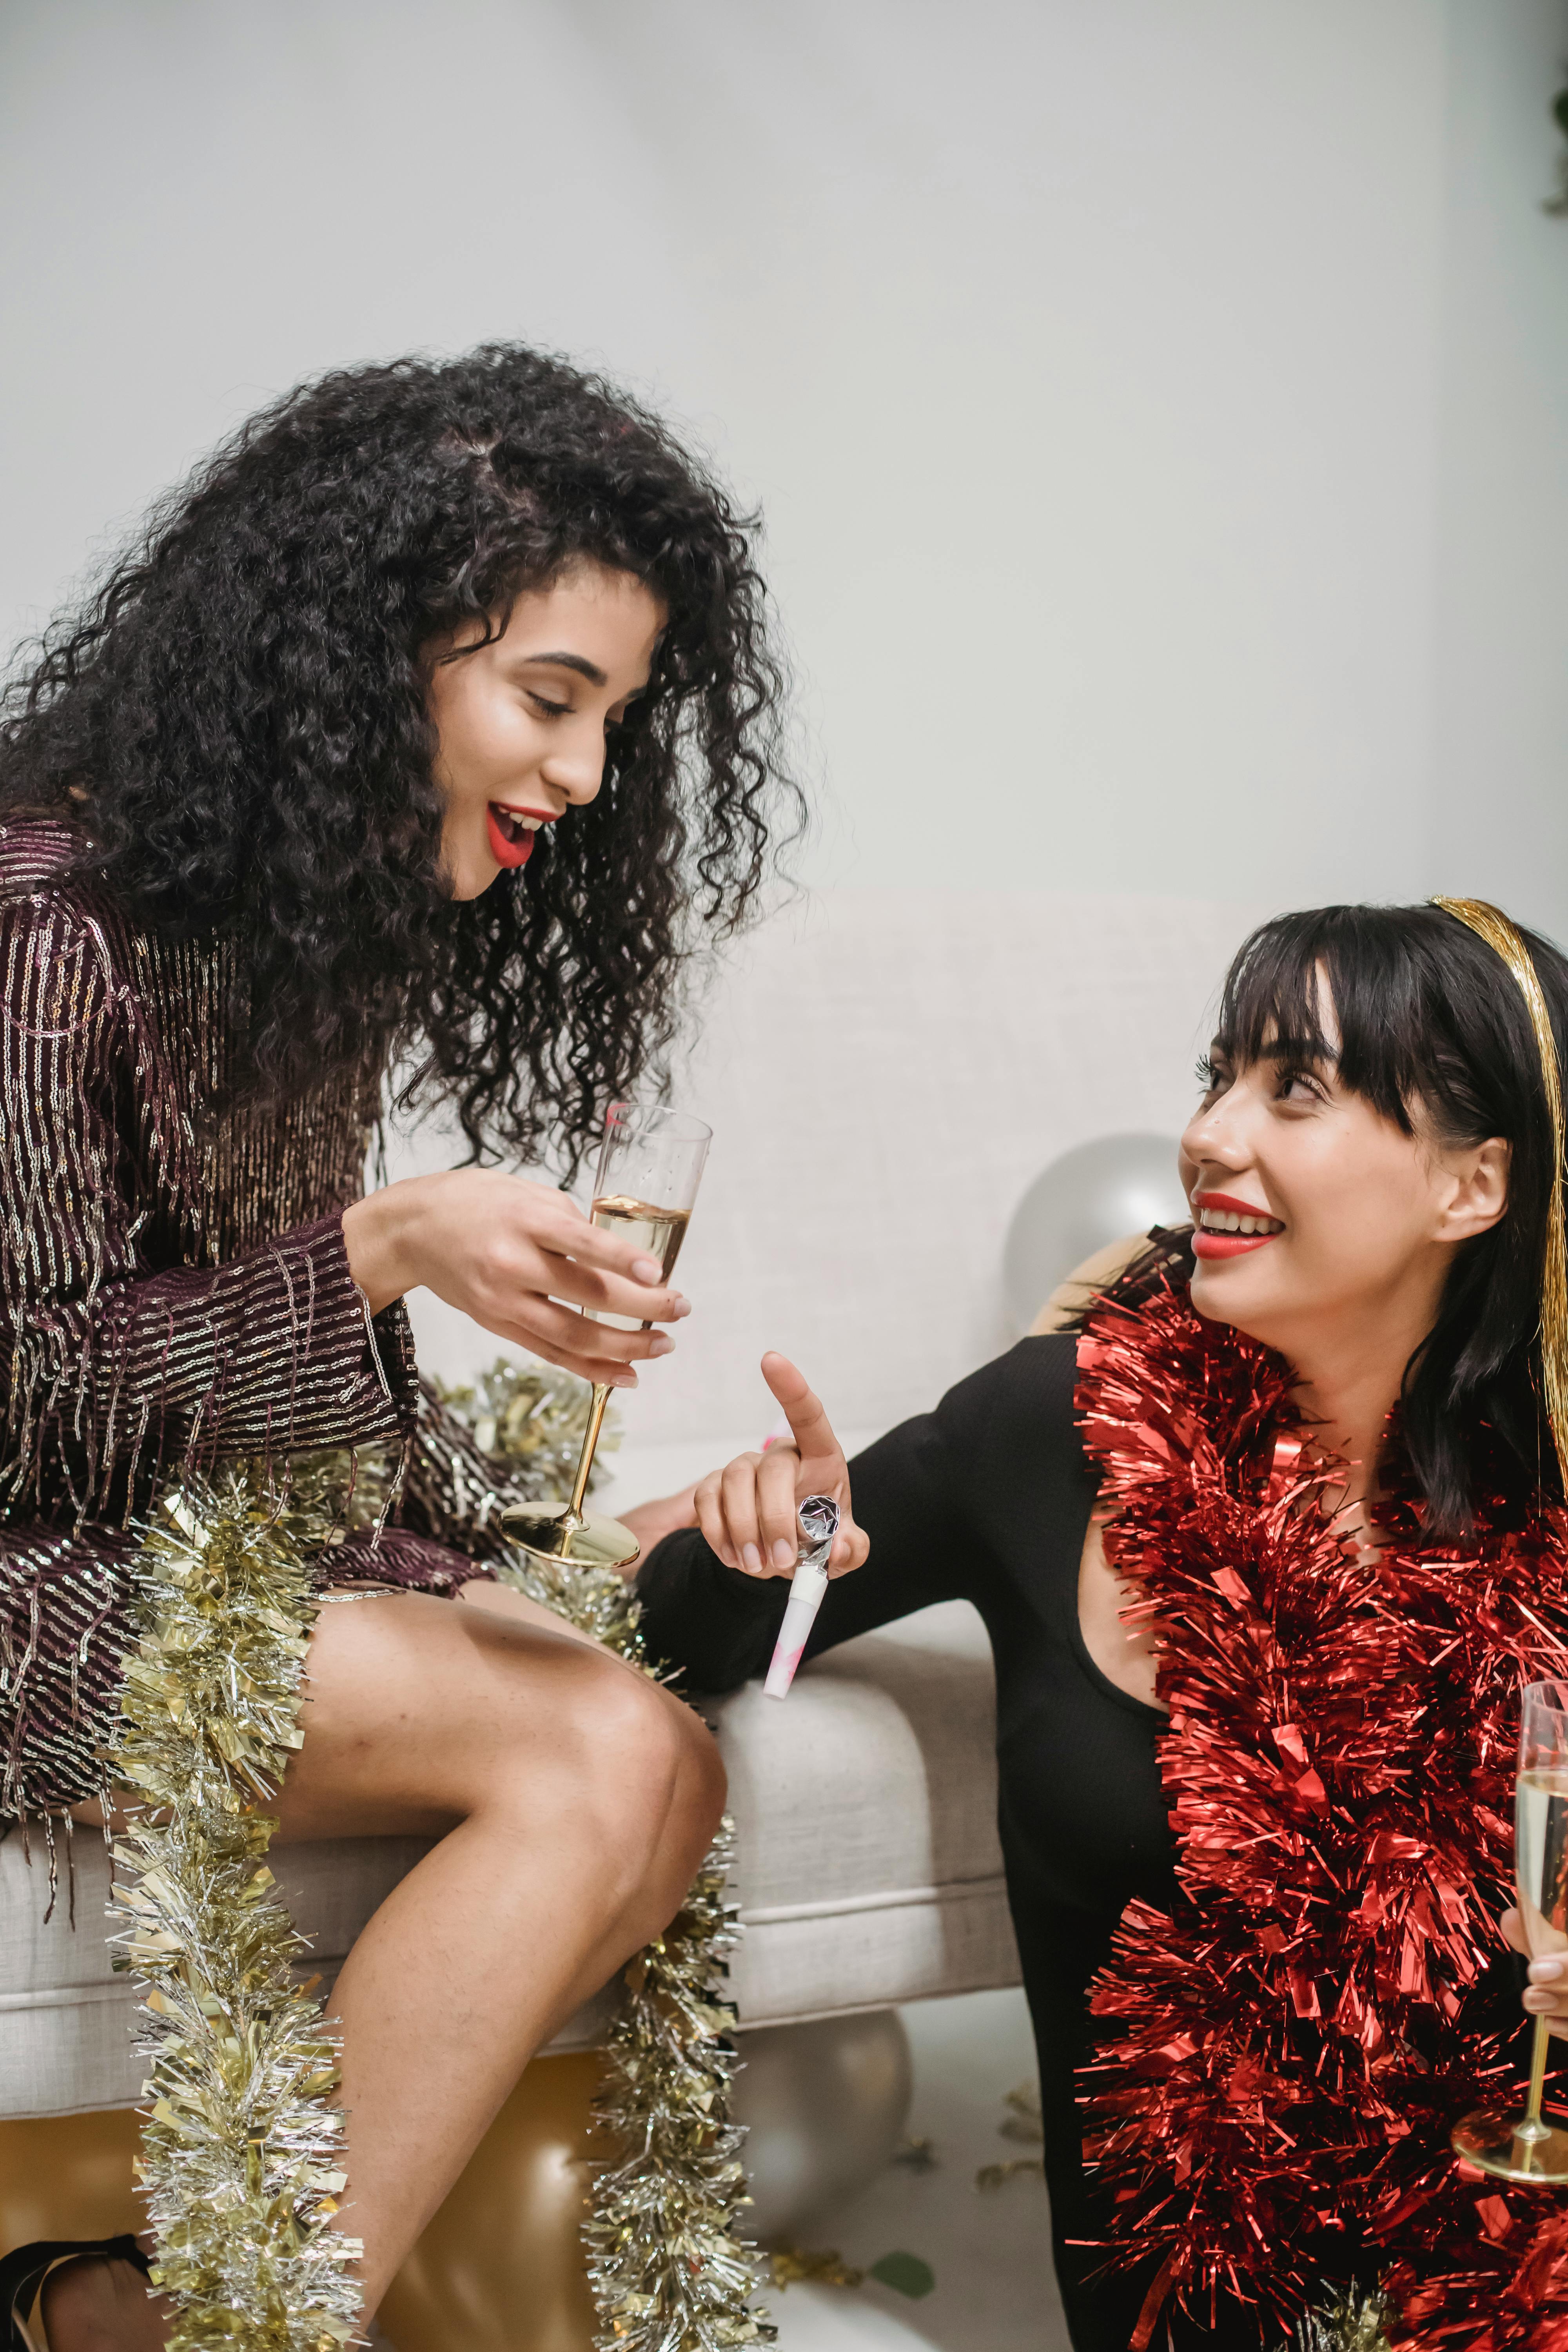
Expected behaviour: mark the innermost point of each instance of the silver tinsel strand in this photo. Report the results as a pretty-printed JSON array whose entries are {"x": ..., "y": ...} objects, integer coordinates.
[
  {"x": 670, "y": 2269},
  {"x": 242, "y": 2155},
  {"x": 1351, "y": 2322},
  {"x": 531, "y": 1418}
]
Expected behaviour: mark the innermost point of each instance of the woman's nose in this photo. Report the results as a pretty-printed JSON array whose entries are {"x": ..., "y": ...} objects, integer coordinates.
[
  {"x": 576, "y": 769},
  {"x": 1216, "y": 1134}
]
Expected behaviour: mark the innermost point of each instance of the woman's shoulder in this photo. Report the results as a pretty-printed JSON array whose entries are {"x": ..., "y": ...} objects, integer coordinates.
[
  {"x": 1033, "y": 1389},
  {"x": 59, "y": 944},
  {"x": 1020, "y": 1400},
  {"x": 39, "y": 860}
]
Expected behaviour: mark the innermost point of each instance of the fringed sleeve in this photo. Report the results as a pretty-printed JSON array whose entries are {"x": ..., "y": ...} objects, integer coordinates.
[
  {"x": 107, "y": 1367},
  {"x": 64, "y": 1629}
]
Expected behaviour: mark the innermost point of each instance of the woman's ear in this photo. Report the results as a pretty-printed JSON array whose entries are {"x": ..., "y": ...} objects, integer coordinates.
[{"x": 1481, "y": 1188}]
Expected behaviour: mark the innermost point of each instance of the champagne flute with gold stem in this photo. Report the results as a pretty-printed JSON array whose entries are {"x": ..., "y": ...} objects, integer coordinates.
[
  {"x": 645, "y": 1187},
  {"x": 1526, "y": 2146}
]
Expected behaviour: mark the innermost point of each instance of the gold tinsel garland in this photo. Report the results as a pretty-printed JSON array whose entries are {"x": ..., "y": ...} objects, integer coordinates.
[
  {"x": 242, "y": 2155},
  {"x": 670, "y": 2269},
  {"x": 1353, "y": 2323},
  {"x": 530, "y": 1419}
]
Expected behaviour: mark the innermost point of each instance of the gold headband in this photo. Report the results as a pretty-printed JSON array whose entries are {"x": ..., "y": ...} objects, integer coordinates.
[{"x": 1490, "y": 924}]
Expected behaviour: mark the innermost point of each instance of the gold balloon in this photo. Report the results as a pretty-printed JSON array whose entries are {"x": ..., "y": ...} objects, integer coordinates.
[
  {"x": 68, "y": 2177},
  {"x": 500, "y": 2269}
]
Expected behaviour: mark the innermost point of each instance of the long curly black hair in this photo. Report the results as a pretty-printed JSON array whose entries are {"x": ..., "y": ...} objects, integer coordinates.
[{"x": 235, "y": 727}]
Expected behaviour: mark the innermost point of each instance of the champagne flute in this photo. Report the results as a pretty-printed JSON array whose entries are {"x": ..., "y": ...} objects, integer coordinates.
[
  {"x": 1527, "y": 2147},
  {"x": 650, "y": 1164}
]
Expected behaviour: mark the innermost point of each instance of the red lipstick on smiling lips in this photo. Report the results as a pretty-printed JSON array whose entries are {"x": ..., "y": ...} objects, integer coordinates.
[
  {"x": 510, "y": 843},
  {"x": 1208, "y": 1241}
]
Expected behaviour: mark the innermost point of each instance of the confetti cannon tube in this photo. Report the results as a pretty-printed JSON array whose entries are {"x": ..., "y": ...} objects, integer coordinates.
[{"x": 818, "y": 1519}]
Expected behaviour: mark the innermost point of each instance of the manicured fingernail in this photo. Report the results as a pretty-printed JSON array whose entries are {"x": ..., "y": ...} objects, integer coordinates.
[
  {"x": 679, "y": 1306},
  {"x": 783, "y": 1553},
  {"x": 661, "y": 1344},
  {"x": 647, "y": 1270},
  {"x": 1545, "y": 1972},
  {"x": 751, "y": 1559}
]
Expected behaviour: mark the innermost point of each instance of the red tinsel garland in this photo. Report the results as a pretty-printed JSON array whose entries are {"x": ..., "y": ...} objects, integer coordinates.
[{"x": 1280, "y": 2061}]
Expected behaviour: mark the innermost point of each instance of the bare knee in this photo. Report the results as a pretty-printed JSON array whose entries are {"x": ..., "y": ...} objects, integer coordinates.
[
  {"x": 639, "y": 1743},
  {"x": 647, "y": 1770},
  {"x": 620, "y": 1723},
  {"x": 422, "y": 1715}
]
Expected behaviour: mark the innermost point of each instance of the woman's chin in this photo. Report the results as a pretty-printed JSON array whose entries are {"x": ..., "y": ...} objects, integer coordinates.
[
  {"x": 1231, "y": 1290},
  {"x": 470, "y": 878}
]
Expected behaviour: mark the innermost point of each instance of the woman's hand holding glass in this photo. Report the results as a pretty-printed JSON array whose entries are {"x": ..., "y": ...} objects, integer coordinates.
[
  {"x": 747, "y": 1510},
  {"x": 1547, "y": 1993},
  {"x": 521, "y": 1260}
]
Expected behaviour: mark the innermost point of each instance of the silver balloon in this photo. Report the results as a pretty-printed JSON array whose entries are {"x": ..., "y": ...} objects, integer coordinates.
[
  {"x": 1090, "y": 1197},
  {"x": 825, "y": 2104}
]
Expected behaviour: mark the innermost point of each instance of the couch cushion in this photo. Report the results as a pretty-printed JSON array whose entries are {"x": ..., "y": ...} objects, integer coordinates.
[
  {"x": 865, "y": 1804},
  {"x": 868, "y": 1870}
]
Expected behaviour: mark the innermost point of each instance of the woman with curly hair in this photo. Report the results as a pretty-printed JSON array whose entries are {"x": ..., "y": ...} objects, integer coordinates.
[{"x": 430, "y": 728}]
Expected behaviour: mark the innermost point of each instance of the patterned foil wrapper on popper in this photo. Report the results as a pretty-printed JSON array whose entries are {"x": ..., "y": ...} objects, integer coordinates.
[{"x": 818, "y": 1520}]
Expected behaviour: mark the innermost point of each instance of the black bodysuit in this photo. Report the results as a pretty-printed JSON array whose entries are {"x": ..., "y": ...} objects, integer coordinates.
[{"x": 987, "y": 1499}]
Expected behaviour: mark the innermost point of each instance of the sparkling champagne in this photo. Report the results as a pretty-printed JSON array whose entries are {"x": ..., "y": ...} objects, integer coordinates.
[
  {"x": 1540, "y": 1858},
  {"x": 659, "y": 1232},
  {"x": 1509, "y": 2145}
]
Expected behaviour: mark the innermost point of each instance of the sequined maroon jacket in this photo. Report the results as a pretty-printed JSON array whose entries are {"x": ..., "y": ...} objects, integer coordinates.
[{"x": 174, "y": 1289}]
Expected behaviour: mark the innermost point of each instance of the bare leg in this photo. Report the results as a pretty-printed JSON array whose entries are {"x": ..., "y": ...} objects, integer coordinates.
[{"x": 574, "y": 1799}]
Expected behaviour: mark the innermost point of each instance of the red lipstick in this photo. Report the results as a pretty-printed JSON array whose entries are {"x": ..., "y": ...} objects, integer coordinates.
[
  {"x": 503, "y": 848},
  {"x": 1213, "y": 1245}
]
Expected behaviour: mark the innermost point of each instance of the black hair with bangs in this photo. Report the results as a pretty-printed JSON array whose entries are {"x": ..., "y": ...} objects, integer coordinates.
[{"x": 1430, "y": 1017}]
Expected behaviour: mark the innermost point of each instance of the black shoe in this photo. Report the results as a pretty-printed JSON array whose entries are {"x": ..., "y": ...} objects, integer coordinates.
[{"x": 22, "y": 2276}]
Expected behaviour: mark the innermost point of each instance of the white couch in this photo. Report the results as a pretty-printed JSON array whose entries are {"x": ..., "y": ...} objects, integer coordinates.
[
  {"x": 868, "y": 1870},
  {"x": 884, "y": 1074}
]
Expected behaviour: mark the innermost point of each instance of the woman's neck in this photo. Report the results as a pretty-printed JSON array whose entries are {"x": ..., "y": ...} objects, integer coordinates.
[
  {"x": 1347, "y": 1419},
  {"x": 1347, "y": 1384}
]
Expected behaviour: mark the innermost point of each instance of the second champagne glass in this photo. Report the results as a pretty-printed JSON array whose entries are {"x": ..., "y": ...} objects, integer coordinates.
[
  {"x": 1526, "y": 2146},
  {"x": 650, "y": 1164}
]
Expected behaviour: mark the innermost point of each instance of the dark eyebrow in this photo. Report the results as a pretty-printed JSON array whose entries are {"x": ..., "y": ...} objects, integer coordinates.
[
  {"x": 1300, "y": 1049},
  {"x": 584, "y": 668},
  {"x": 1282, "y": 1049}
]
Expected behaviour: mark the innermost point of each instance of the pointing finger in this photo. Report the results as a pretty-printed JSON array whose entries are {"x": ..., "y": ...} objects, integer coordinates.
[{"x": 808, "y": 1418}]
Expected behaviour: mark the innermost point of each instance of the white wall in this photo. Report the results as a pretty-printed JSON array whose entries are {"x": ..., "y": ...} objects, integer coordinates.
[
  {"x": 1157, "y": 404},
  {"x": 1500, "y": 790},
  {"x": 885, "y": 1072},
  {"x": 1159, "y": 410}
]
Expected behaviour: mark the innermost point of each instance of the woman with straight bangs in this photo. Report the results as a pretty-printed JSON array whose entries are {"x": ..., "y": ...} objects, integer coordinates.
[
  {"x": 432, "y": 727},
  {"x": 1266, "y": 1526}
]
